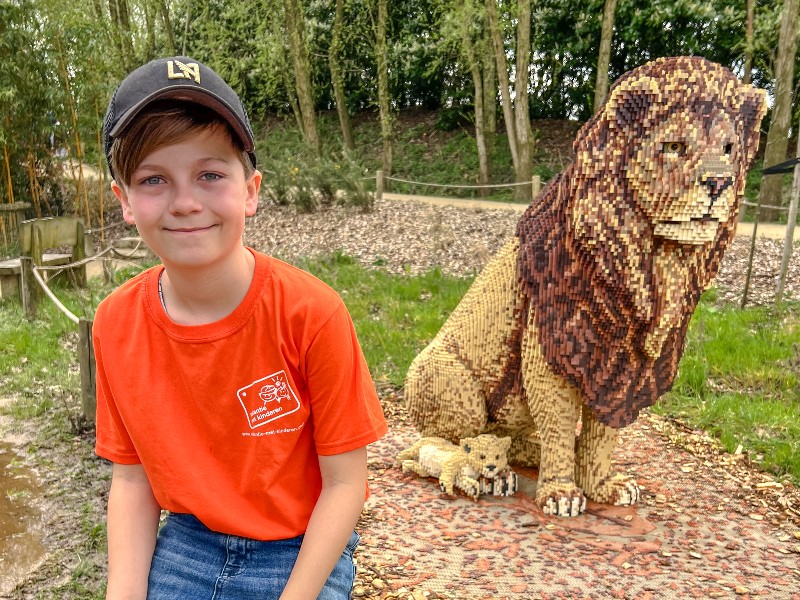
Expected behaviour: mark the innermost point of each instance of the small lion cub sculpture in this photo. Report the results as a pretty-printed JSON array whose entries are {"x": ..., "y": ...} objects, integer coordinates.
[{"x": 478, "y": 466}]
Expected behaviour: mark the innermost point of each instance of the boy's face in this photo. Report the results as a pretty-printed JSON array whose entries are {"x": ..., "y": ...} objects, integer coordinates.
[{"x": 189, "y": 200}]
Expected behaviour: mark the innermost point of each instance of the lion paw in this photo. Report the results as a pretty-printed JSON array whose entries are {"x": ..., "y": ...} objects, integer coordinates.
[
  {"x": 560, "y": 500},
  {"x": 412, "y": 466},
  {"x": 619, "y": 490}
]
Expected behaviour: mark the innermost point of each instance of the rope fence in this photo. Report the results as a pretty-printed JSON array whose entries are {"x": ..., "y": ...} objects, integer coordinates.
[
  {"x": 49, "y": 293},
  {"x": 78, "y": 263},
  {"x": 382, "y": 185},
  {"x": 106, "y": 228},
  {"x": 755, "y": 205},
  {"x": 29, "y": 292},
  {"x": 459, "y": 187}
]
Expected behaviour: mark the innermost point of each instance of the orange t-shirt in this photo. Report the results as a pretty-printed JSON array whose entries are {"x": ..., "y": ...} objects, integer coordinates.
[{"x": 228, "y": 418}]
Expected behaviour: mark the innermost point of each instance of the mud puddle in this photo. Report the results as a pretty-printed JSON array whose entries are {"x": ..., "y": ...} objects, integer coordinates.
[{"x": 21, "y": 548}]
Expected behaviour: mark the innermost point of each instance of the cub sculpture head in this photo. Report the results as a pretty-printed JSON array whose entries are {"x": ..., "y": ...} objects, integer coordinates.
[
  {"x": 583, "y": 314},
  {"x": 477, "y": 466}
]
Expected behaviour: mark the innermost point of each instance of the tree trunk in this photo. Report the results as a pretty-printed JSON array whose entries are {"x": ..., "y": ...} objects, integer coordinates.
[
  {"x": 778, "y": 136},
  {"x": 748, "y": 40},
  {"x": 121, "y": 22},
  {"x": 291, "y": 94},
  {"x": 480, "y": 118},
  {"x": 521, "y": 112},
  {"x": 604, "y": 57},
  {"x": 336, "y": 77},
  {"x": 163, "y": 10},
  {"x": 150, "y": 36},
  {"x": 502, "y": 77},
  {"x": 305, "y": 97},
  {"x": 186, "y": 22},
  {"x": 489, "y": 87},
  {"x": 489, "y": 106},
  {"x": 383, "y": 86}
]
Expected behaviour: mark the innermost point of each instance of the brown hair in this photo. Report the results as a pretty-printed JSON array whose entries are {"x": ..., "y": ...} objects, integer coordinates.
[{"x": 164, "y": 124}]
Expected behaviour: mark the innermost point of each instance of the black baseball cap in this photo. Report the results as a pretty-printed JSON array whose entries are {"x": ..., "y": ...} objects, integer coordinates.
[{"x": 177, "y": 78}]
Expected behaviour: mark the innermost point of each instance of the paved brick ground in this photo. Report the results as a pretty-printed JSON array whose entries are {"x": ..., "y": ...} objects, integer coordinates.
[{"x": 698, "y": 533}]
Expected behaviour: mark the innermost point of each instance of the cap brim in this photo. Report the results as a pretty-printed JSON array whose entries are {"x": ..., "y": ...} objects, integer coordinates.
[{"x": 192, "y": 94}]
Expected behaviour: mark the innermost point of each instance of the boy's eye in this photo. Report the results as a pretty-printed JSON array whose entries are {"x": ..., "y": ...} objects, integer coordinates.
[
  {"x": 676, "y": 148},
  {"x": 210, "y": 176},
  {"x": 154, "y": 180}
]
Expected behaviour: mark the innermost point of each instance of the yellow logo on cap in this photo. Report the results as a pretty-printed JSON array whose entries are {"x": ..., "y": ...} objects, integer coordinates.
[{"x": 187, "y": 71}]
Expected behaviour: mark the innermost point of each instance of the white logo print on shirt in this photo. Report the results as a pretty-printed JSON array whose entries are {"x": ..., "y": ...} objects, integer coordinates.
[{"x": 268, "y": 399}]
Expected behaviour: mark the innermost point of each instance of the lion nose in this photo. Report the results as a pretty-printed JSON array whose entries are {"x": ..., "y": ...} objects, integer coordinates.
[
  {"x": 717, "y": 184},
  {"x": 491, "y": 467}
]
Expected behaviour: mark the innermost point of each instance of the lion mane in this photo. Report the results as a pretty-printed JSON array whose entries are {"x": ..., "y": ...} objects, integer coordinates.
[{"x": 588, "y": 247}]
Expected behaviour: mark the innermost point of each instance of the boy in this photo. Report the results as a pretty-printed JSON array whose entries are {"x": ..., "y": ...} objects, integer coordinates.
[{"x": 231, "y": 389}]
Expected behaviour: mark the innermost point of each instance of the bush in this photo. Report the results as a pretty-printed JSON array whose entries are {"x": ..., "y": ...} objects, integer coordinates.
[{"x": 307, "y": 185}]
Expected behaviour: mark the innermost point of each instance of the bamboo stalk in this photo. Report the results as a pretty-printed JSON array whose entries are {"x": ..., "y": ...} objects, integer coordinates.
[
  {"x": 34, "y": 183},
  {"x": 8, "y": 176},
  {"x": 44, "y": 197},
  {"x": 100, "y": 175},
  {"x": 81, "y": 182},
  {"x": 10, "y": 195}
]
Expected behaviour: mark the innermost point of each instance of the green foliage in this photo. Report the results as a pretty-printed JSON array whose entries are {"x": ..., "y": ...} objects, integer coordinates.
[
  {"x": 422, "y": 153},
  {"x": 58, "y": 56},
  {"x": 308, "y": 183}
]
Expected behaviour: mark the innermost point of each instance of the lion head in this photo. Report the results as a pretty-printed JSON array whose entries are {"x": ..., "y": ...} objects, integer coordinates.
[
  {"x": 677, "y": 135},
  {"x": 486, "y": 454},
  {"x": 617, "y": 249}
]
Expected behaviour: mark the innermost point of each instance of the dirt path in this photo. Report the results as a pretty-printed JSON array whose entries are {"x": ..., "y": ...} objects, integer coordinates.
[{"x": 772, "y": 231}]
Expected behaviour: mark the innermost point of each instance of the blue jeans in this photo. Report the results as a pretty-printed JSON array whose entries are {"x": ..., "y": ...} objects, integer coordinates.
[{"x": 191, "y": 562}]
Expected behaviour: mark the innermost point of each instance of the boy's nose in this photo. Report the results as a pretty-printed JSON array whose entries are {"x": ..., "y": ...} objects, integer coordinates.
[{"x": 183, "y": 201}]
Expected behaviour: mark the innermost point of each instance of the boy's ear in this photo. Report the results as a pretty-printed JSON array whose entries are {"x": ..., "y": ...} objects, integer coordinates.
[
  {"x": 122, "y": 196},
  {"x": 253, "y": 186}
]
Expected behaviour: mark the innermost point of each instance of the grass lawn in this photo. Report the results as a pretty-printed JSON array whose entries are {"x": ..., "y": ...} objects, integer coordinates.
[{"x": 738, "y": 378}]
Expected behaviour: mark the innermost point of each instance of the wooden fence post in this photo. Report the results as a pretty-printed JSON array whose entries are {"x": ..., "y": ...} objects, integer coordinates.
[
  {"x": 87, "y": 365},
  {"x": 28, "y": 288},
  {"x": 108, "y": 270},
  {"x": 794, "y": 199},
  {"x": 379, "y": 184}
]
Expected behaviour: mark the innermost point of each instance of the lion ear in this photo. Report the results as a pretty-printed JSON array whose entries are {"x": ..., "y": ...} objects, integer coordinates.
[
  {"x": 629, "y": 98},
  {"x": 628, "y": 101},
  {"x": 752, "y": 108}
]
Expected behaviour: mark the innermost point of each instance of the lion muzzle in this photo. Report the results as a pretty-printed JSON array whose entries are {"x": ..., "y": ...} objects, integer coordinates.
[{"x": 716, "y": 184}]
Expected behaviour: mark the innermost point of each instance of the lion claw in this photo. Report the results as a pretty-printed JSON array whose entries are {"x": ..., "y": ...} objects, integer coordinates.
[
  {"x": 628, "y": 493},
  {"x": 564, "y": 506},
  {"x": 617, "y": 490}
]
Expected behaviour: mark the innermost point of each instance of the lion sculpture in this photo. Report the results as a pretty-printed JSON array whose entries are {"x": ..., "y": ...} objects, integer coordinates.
[
  {"x": 582, "y": 316},
  {"x": 478, "y": 466}
]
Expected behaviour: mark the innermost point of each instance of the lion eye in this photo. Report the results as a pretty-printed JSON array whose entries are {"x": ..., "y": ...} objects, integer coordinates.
[
  {"x": 483, "y": 457},
  {"x": 677, "y": 148}
]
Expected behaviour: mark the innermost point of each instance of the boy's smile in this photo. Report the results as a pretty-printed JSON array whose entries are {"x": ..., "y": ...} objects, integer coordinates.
[{"x": 189, "y": 201}]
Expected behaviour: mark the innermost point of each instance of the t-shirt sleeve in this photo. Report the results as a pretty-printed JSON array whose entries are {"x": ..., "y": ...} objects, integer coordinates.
[
  {"x": 345, "y": 410},
  {"x": 113, "y": 441}
]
